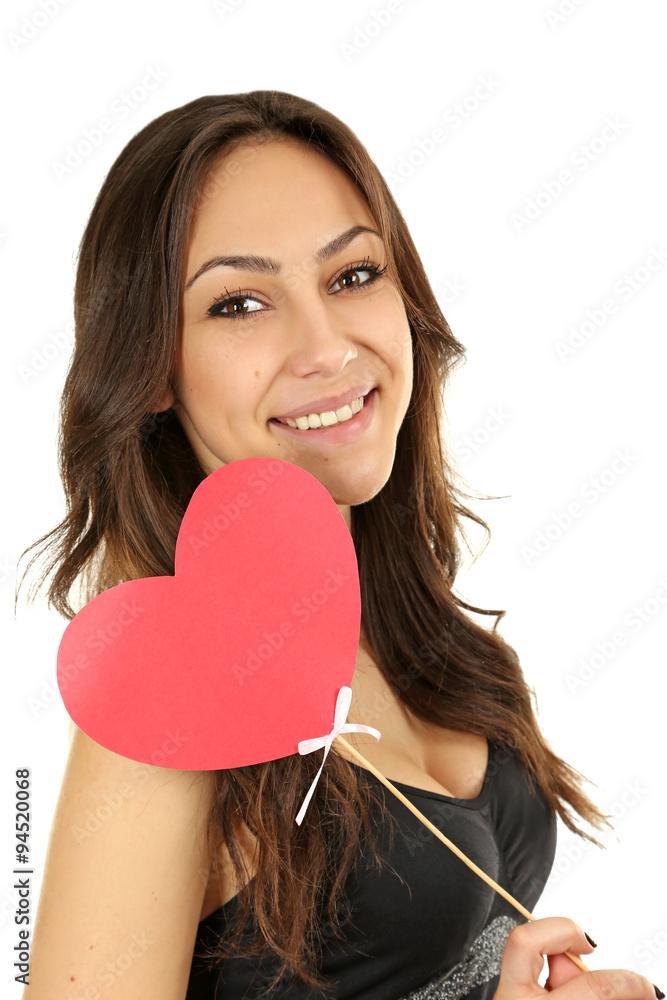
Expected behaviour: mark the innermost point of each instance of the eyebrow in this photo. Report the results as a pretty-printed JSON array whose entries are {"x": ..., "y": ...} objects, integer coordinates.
[{"x": 268, "y": 265}]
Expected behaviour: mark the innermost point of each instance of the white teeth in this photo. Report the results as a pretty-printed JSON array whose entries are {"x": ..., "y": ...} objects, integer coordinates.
[{"x": 329, "y": 417}]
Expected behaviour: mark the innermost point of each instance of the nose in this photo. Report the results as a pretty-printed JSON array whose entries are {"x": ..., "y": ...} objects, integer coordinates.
[{"x": 320, "y": 337}]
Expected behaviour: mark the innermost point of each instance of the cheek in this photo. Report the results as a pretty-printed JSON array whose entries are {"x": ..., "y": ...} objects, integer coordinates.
[
  {"x": 202, "y": 374},
  {"x": 221, "y": 382},
  {"x": 392, "y": 341}
]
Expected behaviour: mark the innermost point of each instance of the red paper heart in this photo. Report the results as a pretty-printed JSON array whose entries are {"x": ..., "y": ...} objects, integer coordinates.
[{"x": 241, "y": 654}]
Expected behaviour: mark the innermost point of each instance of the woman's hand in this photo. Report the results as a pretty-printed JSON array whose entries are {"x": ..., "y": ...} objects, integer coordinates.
[{"x": 523, "y": 960}]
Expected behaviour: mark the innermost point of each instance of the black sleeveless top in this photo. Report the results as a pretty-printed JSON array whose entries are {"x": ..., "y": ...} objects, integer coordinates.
[{"x": 424, "y": 927}]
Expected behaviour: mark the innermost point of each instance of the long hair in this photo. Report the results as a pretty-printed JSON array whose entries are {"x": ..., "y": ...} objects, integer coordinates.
[{"x": 128, "y": 475}]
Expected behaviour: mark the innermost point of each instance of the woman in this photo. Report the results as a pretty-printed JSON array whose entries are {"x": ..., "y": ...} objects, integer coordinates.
[{"x": 247, "y": 287}]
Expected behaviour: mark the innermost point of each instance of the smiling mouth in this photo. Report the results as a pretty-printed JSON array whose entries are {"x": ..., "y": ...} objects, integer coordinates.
[{"x": 329, "y": 418}]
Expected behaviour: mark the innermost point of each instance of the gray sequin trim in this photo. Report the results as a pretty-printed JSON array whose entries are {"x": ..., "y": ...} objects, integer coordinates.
[{"x": 481, "y": 964}]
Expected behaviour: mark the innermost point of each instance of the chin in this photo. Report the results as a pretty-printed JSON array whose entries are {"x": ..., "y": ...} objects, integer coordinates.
[{"x": 357, "y": 489}]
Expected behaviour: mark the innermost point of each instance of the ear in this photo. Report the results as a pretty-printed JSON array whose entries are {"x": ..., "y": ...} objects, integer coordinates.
[{"x": 167, "y": 399}]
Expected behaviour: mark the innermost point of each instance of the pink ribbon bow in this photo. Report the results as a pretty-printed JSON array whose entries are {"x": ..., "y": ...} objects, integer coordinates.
[{"x": 343, "y": 702}]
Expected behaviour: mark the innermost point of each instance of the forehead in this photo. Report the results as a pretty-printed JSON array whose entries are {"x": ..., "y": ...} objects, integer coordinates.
[{"x": 276, "y": 198}]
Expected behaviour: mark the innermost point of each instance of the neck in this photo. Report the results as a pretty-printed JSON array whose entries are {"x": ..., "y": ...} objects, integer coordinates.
[{"x": 347, "y": 514}]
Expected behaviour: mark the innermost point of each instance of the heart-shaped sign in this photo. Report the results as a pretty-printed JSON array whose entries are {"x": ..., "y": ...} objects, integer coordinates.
[
  {"x": 247, "y": 653},
  {"x": 240, "y": 655}
]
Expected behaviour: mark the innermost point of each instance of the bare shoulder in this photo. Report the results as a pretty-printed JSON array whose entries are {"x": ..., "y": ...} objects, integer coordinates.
[{"x": 126, "y": 870}]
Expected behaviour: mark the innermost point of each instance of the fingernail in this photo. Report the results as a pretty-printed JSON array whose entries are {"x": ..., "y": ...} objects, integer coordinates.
[
  {"x": 590, "y": 940},
  {"x": 660, "y": 995}
]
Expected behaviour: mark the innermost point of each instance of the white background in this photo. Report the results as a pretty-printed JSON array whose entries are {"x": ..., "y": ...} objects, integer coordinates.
[{"x": 512, "y": 289}]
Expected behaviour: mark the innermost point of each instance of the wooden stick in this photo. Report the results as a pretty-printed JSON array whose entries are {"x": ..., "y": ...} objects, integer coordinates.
[{"x": 471, "y": 864}]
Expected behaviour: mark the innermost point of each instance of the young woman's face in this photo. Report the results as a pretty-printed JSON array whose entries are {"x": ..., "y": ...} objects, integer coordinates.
[{"x": 305, "y": 334}]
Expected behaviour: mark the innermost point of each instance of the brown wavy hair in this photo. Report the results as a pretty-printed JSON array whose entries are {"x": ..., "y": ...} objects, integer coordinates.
[{"x": 128, "y": 474}]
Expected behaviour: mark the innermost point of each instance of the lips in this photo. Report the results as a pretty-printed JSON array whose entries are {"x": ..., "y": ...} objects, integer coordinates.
[
  {"x": 290, "y": 421},
  {"x": 338, "y": 433},
  {"x": 324, "y": 405}
]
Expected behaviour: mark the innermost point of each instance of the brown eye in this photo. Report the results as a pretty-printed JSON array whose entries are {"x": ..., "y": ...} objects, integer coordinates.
[
  {"x": 235, "y": 306},
  {"x": 350, "y": 280}
]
